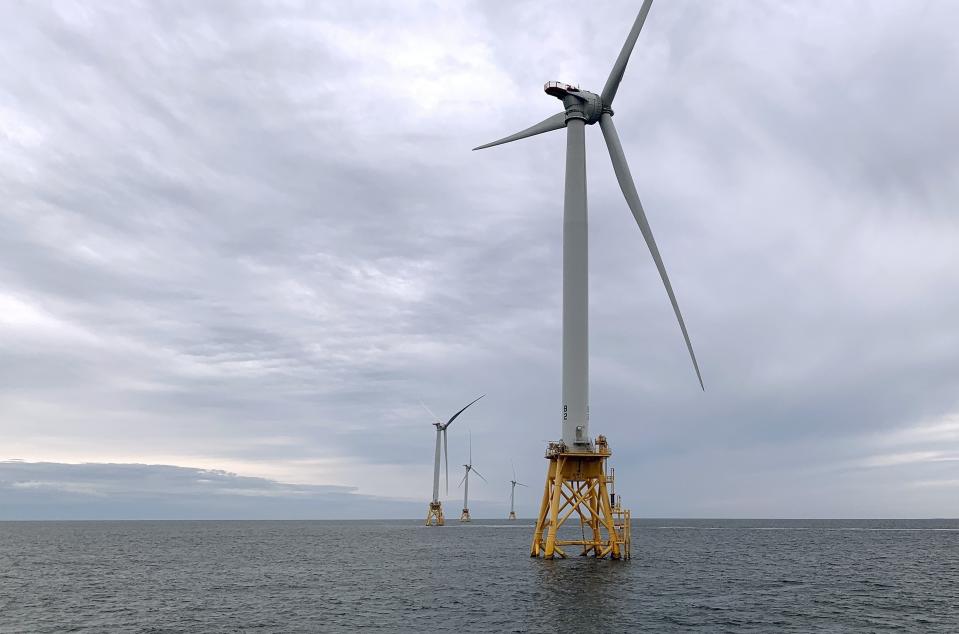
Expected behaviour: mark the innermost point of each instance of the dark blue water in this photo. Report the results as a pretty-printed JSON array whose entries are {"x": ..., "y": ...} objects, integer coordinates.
[{"x": 392, "y": 576}]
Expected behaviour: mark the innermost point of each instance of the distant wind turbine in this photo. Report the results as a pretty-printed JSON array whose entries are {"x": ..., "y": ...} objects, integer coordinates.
[
  {"x": 436, "y": 508},
  {"x": 465, "y": 516},
  {"x": 512, "y": 492}
]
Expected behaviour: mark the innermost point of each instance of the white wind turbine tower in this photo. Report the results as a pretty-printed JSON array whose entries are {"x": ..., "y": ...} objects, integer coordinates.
[
  {"x": 512, "y": 493},
  {"x": 435, "y": 512},
  {"x": 576, "y": 478},
  {"x": 465, "y": 483}
]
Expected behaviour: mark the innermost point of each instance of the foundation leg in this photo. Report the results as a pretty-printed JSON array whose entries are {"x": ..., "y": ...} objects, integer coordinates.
[
  {"x": 554, "y": 508},
  {"x": 607, "y": 516},
  {"x": 543, "y": 510}
]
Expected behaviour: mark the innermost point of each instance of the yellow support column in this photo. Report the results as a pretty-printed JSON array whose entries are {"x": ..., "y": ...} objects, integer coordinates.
[
  {"x": 594, "y": 506},
  {"x": 543, "y": 508},
  {"x": 607, "y": 515},
  {"x": 554, "y": 508}
]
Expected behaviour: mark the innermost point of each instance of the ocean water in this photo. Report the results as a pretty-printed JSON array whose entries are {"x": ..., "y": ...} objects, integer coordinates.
[{"x": 399, "y": 576}]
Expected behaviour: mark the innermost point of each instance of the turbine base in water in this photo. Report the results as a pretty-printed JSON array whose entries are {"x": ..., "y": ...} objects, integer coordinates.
[
  {"x": 512, "y": 515},
  {"x": 576, "y": 482},
  {"x": 465, "y": 516},
  {"x": 435, "y": 513}
]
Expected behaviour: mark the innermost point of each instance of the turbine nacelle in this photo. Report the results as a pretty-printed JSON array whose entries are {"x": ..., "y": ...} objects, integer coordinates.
[{"x": 579, "y": 104}]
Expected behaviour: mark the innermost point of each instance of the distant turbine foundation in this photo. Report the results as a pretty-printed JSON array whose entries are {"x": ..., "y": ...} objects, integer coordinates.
[
  {"x": 434, "y": 516},
  {"x": 576, "y": 482},
  {"x": 465, "y": 515}
]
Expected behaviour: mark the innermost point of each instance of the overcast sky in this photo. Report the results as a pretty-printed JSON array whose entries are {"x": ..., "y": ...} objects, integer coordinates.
[{"x": 240, "y": 241}]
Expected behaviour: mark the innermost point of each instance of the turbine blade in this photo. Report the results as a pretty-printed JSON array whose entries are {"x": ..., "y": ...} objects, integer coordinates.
[
  {"x": 632, "y": 199},
  {"x": 513, "y": 466},
  {"x": 480, "y": 475},
  {"x": 460, "y": 412},
  {"x": 429, "y": 411},
  {"x": 616, "y": 74},
  {"x": 471, "y": 446},
  {"x": 462, "y": 481},
  {"x": 446, "y": 462},
  {"x": 549, "y": 124},
  {"x": 521, "y": 484}
]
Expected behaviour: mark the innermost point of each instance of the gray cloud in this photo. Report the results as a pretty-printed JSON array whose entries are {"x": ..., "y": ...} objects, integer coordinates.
[
  {"x": 252, "y": 237},
  {"x": 140, "y": 491}
]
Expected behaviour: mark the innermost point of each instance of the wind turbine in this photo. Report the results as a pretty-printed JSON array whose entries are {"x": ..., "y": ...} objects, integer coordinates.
[
  {"x": 465, "y": 516},
  {"x": 512, "y": 492},
  {"x": 435, "y": 511},
  {"x": 582, "y": 108}
]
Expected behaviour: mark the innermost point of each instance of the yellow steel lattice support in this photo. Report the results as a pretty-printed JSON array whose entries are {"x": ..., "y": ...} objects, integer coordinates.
[
  {"x": 435, "y": 514},
  {"x": 576, "y": 483}
]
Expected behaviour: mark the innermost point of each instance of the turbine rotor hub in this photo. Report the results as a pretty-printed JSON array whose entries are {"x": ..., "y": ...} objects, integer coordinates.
[{"x": 579, "y": 104}]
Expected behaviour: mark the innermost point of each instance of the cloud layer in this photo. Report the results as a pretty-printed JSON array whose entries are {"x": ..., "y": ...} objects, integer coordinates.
[
  {"x": 253, "y": 237},
  {"x": 41, "y": 491}
]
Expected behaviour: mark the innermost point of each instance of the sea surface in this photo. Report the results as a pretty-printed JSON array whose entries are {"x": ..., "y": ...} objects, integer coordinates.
[{"x": 399, "y": 576}]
